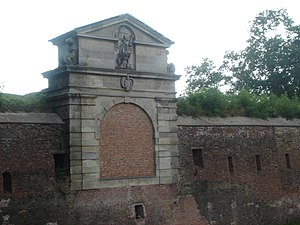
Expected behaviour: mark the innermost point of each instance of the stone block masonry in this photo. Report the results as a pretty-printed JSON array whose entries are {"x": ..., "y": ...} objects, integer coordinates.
[{"x": 127, "y": 68}]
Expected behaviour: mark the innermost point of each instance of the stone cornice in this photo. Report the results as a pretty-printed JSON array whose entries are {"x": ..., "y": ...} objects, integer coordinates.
[{"x": 109, "y": 72}]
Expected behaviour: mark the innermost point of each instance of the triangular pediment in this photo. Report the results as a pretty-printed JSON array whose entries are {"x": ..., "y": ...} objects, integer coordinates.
[{"x": 106, "y": 29}]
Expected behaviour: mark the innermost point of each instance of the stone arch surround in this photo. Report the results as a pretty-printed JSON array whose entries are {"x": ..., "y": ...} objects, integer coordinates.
[{"x": 126, "y": 145}]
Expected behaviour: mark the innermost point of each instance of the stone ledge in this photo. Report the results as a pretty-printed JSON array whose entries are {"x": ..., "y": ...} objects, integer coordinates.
[
  {"x": 119, "y": 183},
  {"x": 237, "y": 121},
  {"x": 108, "y": 72},
  {"x": 38, "y": 118}
]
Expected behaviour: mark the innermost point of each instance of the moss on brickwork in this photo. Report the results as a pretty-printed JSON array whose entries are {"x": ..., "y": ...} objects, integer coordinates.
[{"x": 33, "y": 102}]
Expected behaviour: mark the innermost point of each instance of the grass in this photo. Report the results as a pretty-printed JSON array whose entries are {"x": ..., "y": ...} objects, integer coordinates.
[{"x": 33, "y": 102}]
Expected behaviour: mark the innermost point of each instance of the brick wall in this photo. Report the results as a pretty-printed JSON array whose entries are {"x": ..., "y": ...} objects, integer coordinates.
[
  {"x": 186, "y": 212},
  {"x": 240, "y": 195},
  {"x": 243, "y": 194},
  {"x": 26, "y": 152},
  {"x": 288, "y": 143},
  {"x": 126, "y": 143},
  {"x": 116, "y": 205}
]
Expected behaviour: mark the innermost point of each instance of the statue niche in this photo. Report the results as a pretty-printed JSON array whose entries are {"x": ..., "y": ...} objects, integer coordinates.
[{"x": 124, "y": 48}]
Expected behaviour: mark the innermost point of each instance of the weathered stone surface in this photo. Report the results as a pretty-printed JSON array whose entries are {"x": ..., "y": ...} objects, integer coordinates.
[{"x": 91, "y": 81}]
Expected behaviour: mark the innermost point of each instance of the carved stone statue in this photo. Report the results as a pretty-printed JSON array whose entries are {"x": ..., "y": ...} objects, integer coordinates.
[
  {"x": 171, "y": 68},
  {"x": 124, "y": 48},
  {"x": 70, "y": 55}
]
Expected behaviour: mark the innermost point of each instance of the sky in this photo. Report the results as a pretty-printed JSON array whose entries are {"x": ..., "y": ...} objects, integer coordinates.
[{"x": 199, "y": 29}]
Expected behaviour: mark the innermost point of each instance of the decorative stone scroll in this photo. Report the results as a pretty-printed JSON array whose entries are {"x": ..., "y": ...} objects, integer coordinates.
[{"x": 124, "y": 48}]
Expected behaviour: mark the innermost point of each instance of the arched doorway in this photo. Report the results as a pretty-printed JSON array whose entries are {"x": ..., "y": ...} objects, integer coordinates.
[{"x": 126, "y": 143}]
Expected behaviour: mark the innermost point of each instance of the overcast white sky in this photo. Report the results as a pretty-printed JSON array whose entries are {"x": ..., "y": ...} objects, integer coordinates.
[{"x": 199, "y": 29}]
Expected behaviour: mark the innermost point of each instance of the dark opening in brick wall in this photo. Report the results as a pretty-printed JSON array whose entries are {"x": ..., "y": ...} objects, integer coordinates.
[
  {"x": 230, "y": 164},
  {"x": 61, "y": 162},
  {"x": 7, "y": 182},
  {"x": 288, "y": 162},
  {"x": 258, "y": 163},
  {"x": 139, "y": 211},
  {"x": 198, "y": 157}
]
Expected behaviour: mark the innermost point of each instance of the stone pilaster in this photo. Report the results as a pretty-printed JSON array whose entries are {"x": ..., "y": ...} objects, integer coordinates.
[
  {"x": 84, "y": 153},
  {"x": 167, "y": 141}
]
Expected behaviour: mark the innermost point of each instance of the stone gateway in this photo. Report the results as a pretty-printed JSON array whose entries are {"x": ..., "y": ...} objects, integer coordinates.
[{"x": 113, "y": 151}]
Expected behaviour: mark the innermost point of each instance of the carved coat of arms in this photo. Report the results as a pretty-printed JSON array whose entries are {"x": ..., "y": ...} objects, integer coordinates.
[{"x": 127, "y": 82}]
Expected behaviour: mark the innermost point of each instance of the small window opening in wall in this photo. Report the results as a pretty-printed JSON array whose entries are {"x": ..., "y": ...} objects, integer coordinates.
[
  {"x": 230, "y": 164},
  {"x": 198, "y": 157},
  {"x": 258, "y": 163},
  {"x": 139, "y": 211},
  {"x": 61, "y": 162},
  {"x": 7, "y": 183},
  {"x": 288, "y": 162}
]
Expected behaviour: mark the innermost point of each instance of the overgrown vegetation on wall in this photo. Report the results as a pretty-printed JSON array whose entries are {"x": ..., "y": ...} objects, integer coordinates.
[
  {"x": 33, "y": 102},
  {"x": 212, "y": 102}
]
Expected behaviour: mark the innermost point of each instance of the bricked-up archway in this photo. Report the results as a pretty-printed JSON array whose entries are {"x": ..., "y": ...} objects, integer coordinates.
[{"x": 126, "y": 143}]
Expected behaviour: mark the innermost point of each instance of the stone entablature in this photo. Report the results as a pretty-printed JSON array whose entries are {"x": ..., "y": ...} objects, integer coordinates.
[
  {"x": 107, "y": 81},
  {"x": 104, "y": 65}
]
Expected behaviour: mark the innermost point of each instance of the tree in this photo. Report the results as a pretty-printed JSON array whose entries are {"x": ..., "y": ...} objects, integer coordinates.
[
  {"x": 270, "y": 63},
  {"x": 204, "y": 76}
]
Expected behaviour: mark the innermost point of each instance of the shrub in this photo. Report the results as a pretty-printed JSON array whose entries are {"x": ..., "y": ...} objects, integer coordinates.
[{"x": 211, "y": 102}]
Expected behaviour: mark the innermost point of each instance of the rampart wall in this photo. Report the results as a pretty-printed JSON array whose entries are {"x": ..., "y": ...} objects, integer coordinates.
[
  {"x": 241, "y": 170},
  {"x": 35, "y": 184},
  {"x": 234, "y": 170},
  {"x": 29, "y": 190}
]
